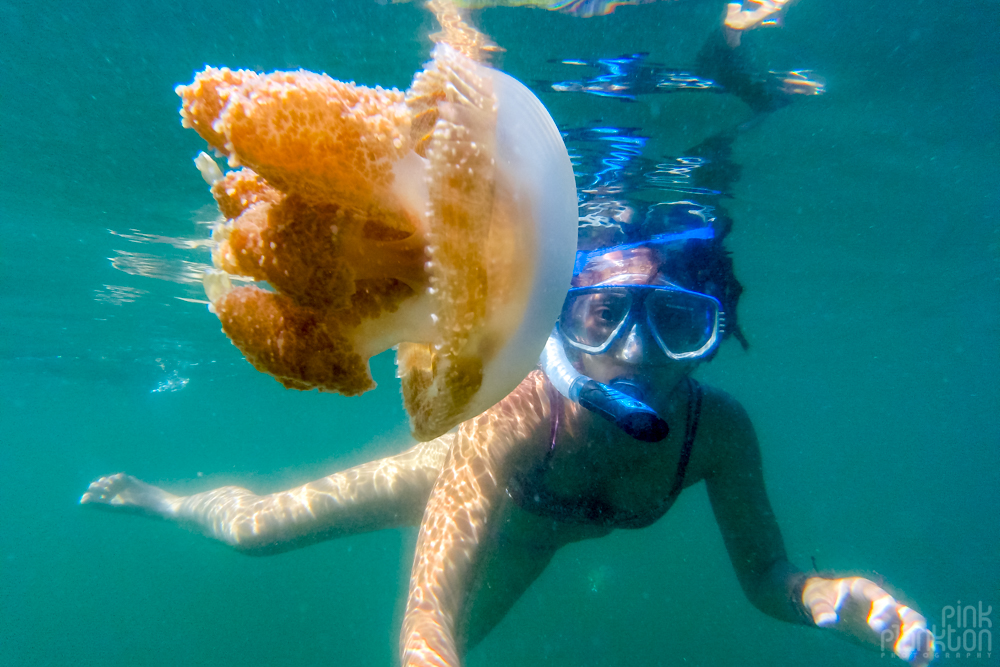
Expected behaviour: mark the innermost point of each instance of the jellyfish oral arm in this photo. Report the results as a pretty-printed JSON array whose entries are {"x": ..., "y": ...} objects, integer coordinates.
[{"x": 378, "y": 335}]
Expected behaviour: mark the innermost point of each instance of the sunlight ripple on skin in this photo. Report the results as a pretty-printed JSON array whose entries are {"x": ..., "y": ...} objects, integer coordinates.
[
  {"x": 458, "y": 482},
  {"x": 252, "y": 523}
]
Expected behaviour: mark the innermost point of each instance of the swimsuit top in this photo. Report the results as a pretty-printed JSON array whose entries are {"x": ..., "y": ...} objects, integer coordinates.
[{"x": 529, "y": 492}]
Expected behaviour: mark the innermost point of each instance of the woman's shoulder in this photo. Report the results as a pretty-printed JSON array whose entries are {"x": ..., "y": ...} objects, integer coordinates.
[
  {"x": 520, "y": 419},
  {"x": 722, "y": 405},
  {"x": 532, "y": 394},
  {"x": 724, "y": 426}
]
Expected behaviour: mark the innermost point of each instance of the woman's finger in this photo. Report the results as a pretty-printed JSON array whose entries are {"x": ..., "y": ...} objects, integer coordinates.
[{"x": 916, "y": 642}]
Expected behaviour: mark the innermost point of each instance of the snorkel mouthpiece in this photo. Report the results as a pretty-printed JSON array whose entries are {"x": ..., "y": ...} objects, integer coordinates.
[
  {"x": 634, "y": 417},
  {"x": 630, "y": 387},
  {"x": 626, "y": 412}
]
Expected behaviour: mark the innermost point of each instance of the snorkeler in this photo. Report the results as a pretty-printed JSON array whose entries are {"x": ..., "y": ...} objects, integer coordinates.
[
  {"x": 497, "y": 499},
  {"x": 605, "y": 435}
]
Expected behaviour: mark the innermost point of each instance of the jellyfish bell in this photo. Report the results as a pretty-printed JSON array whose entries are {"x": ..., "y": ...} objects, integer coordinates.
[
  {"x": 523, "y": 273},
  {"x": 441, "y": 222}
]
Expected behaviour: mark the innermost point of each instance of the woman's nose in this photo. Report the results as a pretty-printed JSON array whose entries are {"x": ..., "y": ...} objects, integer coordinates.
[{"x": 633, "y": 348}]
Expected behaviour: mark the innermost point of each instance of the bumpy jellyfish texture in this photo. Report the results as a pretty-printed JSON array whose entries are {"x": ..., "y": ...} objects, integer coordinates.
[{"x": 378, "y": 218}]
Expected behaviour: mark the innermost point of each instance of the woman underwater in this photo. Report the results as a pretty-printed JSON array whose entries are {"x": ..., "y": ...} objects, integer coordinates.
[
  {"x": 653, "y": 296},
  {"x": 498, "y": 498},
  {"x": 538, "y": 471}
]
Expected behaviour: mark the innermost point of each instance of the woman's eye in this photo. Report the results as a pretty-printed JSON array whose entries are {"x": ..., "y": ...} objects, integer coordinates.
[{"x": 604, "y": 315}]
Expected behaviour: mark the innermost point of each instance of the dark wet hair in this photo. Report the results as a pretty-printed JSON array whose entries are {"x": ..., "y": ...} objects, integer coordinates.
[{"x": 630, "y": 224}]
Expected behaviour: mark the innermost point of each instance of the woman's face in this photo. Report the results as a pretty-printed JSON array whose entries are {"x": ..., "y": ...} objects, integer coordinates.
[{"x": 635, "y": 355}]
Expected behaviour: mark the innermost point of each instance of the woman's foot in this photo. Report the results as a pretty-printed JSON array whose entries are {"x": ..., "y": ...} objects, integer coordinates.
[{"x": 127, "y": 492}]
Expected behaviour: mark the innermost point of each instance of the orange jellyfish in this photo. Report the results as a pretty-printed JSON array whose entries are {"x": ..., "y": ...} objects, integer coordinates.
[{"x": 440, "y": 221}]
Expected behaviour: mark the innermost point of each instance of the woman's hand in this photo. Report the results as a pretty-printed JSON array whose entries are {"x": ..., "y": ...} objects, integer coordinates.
[
  {"x": 123, "y": 491},
  {"x": 864, "y": 613},
  {"x": 740, "y": 18}
]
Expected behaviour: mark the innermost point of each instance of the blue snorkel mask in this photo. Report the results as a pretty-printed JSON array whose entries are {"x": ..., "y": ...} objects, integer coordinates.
[{"x": 686, "y": 325}]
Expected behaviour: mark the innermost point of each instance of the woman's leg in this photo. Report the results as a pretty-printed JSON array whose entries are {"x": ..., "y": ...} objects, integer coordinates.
[{"x": 381, "y": 494}]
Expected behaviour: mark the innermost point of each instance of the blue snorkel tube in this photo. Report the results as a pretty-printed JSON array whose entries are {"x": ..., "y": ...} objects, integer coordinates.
[{"x": 627, "y": 413}]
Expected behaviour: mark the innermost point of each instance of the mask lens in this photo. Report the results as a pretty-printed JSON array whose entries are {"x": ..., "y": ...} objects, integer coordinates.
[
  {"x": 684, "y": 323},
  {"x": 592, "y": 319}
]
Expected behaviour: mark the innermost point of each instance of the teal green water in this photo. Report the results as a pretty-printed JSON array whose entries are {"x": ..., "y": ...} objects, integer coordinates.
[{"x": 866, "y": 235}]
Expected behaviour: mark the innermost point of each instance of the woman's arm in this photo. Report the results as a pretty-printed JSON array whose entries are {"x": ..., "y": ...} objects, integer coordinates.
[
  {"x": 380, "y": 494},
  {"x": 739, "y": 499},
  {"x": 461, "y": 505},
  {"x": 854, "y": 607}
]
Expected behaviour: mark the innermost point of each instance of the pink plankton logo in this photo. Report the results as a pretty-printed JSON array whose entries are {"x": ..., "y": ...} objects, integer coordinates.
[{"x": 966, "y": 633}]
